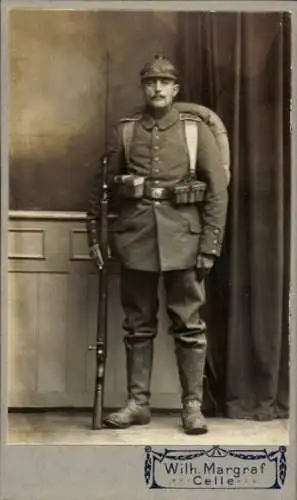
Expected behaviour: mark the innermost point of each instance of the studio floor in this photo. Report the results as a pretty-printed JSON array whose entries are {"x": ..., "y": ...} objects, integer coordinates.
[{"x": 62, "y": 427}]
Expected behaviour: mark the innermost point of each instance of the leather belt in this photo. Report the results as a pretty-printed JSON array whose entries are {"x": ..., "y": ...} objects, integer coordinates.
[{"x": 156, "y": 192}]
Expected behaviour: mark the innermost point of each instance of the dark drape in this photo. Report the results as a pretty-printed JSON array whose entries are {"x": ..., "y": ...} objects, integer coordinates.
[{"x": 238, "y": 64}]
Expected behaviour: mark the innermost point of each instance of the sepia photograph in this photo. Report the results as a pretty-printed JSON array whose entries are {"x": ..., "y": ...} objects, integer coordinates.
[
  {"x": 193, "y": 328},
  {"x": 149, "y": 232}
]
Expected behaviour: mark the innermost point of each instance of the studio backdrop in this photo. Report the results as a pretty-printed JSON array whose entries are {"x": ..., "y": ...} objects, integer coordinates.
[{"x": 238, "y": 64}]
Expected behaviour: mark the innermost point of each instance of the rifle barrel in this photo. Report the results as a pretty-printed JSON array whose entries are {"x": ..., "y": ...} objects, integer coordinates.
[{"x": 102, "y": 320}]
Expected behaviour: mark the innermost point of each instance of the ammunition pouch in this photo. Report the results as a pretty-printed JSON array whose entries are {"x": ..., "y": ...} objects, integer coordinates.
[
  {"x": 188, "y": 192},
  {"x": 129, "y": 186}
]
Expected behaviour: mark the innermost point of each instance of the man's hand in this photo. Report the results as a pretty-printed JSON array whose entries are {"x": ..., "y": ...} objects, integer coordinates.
[
  {"x": 96, "y": 255},
  {"x": 204, "y": 263}
]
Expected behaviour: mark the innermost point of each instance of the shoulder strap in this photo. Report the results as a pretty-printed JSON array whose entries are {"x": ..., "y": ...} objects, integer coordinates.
[
  {"x": 127, "y": 134},
  {"x": 191, "y": 132}
]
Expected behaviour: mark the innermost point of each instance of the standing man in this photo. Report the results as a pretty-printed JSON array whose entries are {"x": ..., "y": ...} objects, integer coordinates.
[{"x": 158, "y": 232}]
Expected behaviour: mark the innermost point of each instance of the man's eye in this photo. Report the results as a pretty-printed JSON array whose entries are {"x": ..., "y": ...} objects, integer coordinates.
[{"x": 163, "y": 81}]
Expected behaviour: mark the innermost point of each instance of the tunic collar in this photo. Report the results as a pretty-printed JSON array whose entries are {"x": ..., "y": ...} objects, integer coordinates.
[{"x": 148, "y": 121}]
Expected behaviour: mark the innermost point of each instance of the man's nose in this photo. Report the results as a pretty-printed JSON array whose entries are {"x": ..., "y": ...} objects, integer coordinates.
[{"x": 158, "y": 84}]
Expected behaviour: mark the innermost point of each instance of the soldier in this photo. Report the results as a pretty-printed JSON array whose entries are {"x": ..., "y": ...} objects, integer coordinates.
[{"x": 152, "y": 236}]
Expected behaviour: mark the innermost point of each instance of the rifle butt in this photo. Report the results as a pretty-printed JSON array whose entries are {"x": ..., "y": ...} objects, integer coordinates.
[{"x": 97, "y": 411}]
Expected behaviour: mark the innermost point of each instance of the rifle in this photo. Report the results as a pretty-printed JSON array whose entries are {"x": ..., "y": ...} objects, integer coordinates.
[
  {"x": 101, "y": 258},
  {"x": 102, "y": 314}
]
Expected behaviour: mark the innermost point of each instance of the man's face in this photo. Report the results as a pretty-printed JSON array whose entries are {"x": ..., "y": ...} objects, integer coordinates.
[{"x": 159, "y": 92}]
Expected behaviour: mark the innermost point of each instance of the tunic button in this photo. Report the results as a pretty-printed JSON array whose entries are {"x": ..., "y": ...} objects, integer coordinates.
[{"x": 156, "y": 158}]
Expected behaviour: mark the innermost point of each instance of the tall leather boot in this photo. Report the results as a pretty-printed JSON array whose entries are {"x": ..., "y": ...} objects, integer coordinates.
[
  {"x": 190, "y": 362},
  {"x": 139, "y": 359}
]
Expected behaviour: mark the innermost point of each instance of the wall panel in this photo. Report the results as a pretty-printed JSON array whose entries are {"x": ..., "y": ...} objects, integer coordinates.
[{"x": 53, "y": 317}]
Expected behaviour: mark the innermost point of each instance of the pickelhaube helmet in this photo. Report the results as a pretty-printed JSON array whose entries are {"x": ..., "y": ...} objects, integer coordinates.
[{"x": 158, "y": 67}]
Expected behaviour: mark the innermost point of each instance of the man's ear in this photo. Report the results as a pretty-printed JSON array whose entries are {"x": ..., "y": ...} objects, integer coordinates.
[{"x": 176, "y": 89}]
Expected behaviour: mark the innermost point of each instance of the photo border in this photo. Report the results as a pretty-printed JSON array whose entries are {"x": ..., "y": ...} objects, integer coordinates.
[{"x": 86, "y": 472}]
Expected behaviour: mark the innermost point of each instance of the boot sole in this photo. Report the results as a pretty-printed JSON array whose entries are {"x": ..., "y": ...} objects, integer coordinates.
[
  {"x": 114, "y": 425},
  {"x": 196, "y": 431}
]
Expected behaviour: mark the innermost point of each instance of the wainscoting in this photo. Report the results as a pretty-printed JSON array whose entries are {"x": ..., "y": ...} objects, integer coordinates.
[{"x": 52, "y": 313}]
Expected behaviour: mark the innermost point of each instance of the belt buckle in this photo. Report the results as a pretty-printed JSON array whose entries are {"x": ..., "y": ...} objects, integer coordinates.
[{"x": 157, "y": 192}]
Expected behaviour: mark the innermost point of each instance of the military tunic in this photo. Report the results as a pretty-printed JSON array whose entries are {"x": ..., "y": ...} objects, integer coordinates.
[{"x": 151, "y": 235}]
